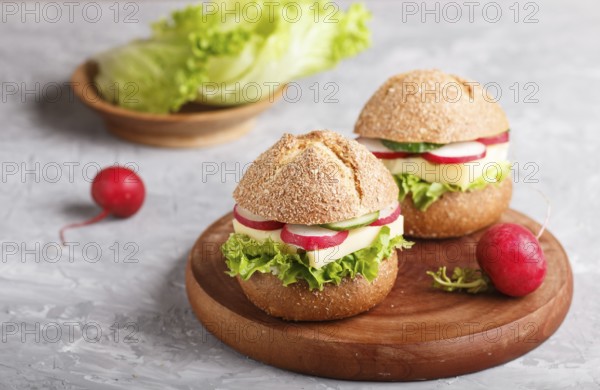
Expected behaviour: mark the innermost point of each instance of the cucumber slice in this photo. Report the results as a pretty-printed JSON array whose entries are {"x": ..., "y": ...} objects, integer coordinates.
[
  {"x": 411, "y": 147},
  {"x": 353, "y": 223}
]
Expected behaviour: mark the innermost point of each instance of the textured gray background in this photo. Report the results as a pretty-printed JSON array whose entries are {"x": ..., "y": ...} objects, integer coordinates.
[{"x": 169, "y": 349}]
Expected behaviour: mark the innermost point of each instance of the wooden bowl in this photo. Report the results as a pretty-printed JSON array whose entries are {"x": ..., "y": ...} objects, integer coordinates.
[{"x": 194, "y": 125}]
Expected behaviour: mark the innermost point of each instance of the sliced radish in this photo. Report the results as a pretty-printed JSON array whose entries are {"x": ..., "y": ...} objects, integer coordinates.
[
  {"x": 456, "y": 153},
  {"x": 391, "y": 155},
  {"x": 253, "y": 221},
  {"x": 388, "y": 215},
  {"x": 494, "y": 139},
  {"x": 311, "y": 238},
  {"x": 353, "y": 223},
  {"x": 376, "y": 147}
]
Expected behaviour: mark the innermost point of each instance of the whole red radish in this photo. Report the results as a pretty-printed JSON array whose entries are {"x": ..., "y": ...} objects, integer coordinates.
[
  {"x": 512, "y": 258},
  {"x": 119, "y": 191}
]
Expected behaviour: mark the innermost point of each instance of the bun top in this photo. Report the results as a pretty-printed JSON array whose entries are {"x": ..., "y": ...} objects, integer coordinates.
[
  {"x": 430, "y": 106},
  {"x": 315, "y": 178}
]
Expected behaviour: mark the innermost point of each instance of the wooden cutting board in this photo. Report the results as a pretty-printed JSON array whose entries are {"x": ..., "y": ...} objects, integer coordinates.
[{"x": 416, "y": 333}]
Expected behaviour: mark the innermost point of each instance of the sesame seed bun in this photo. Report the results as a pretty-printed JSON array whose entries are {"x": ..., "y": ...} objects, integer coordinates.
[
  {"x": 430, "y": 106},
  {"x": 320, "y": 177},
  {"x": 456, "y": 214},
  {"x": 297, "y": 303}
]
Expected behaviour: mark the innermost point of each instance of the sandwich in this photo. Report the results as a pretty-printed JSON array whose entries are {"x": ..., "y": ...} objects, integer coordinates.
[
  {"x": 446, "y": 143},
  {"x": 315, "y": 228}
]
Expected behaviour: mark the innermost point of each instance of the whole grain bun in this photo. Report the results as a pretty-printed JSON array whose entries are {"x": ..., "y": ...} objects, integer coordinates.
[
  {"x": 456, "y": 214},
  {"x": 316, "y": 178},
  {"x": 430, "y": 106},
  {"x": 297, "y": 303}
]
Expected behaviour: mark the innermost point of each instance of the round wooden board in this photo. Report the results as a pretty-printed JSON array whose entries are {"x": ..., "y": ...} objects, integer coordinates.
[{"x": 416, "y": 333}]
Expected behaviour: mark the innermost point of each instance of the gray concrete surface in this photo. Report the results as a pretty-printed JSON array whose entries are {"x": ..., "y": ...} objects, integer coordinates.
[{"x": 122, "y": 321}]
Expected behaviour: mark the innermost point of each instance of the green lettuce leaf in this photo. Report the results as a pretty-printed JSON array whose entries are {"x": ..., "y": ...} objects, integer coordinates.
[
  {"x": 207, "y": 53},
  {"x": 425, "y": 193},
  {"x": 245, "y": 256}
]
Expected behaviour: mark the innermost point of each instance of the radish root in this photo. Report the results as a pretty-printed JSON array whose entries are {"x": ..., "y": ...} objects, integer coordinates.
[
  {"x": 90, "y": 221},
  {"x": 548, "y": 212}
]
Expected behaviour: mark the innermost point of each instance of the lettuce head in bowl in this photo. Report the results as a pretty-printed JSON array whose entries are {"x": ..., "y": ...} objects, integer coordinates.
[{"x": 229, "y": 53}]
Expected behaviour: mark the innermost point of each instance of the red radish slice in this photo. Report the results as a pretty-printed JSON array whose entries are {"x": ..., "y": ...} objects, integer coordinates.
[
  {"x": 253, "y": 221},
  {"x": 376, "y": 147},
  {"x": 391, "y": 155},
  {"x": 456, "y": 153},
  {"x": 311, "y": 238},
  {"x": 495, "y": 139},
  {"x": 388, "y": 215}
]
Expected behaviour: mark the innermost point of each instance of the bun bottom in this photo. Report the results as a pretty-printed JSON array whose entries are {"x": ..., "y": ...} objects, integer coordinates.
[
  {"x": 456, "y": 214},
  {"x": 297, "y": 303}
]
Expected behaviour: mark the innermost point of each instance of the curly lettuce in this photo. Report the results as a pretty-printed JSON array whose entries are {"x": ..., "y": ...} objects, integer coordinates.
[
  {"x": 230, "y": 52},
  {"x": 424, "y": 193},
  {"x": 245, "y": 256}
]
